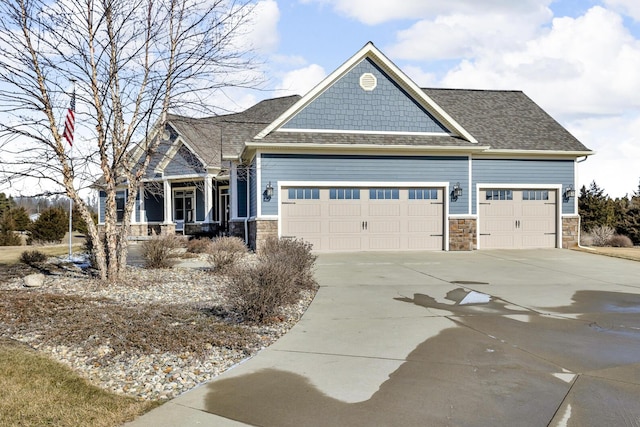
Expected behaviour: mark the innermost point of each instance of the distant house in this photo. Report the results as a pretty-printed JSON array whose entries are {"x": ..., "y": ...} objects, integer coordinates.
[{"x": 367, "y": 160}]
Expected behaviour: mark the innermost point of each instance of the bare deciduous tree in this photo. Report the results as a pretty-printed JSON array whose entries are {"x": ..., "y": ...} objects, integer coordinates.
[{"x": 133, "y": 61}]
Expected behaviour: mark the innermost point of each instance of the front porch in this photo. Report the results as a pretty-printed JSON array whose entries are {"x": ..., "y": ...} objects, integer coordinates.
[{"x": 196, "y": 207}]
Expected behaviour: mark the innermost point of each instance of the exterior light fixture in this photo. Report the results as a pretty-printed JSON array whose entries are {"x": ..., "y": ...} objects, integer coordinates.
[
  {"x": 569, "y": 192},
  {"x": 457, "y": 191},
  {"x": 268, "y": 192}
]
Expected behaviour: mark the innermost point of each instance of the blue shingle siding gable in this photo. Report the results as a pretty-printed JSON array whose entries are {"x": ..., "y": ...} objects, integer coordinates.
[
  {"x": 365, "y": 168},
  {"x": 509, "y": 171},
  {"x": 346, "y": 106},
  {"x": 184, "y": 163}
]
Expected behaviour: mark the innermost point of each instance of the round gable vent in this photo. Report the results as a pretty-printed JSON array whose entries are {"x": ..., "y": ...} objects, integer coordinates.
[{"x": 368, "y": 81}]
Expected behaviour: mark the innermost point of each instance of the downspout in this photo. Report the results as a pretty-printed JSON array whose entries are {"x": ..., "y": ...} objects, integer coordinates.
[
  {"x": 580, "y": 218},
  {"x": 246, "y": 217}
]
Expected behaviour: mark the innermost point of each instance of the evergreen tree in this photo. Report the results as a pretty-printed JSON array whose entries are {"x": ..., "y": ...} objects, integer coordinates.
[
  {"x": 595, "y": 208},
  {"x": 8, "y": 237},
  {"x": 6, "y": 203},
  {"x": 50, "y": 227},
  {"x": 21, "y": 218}
]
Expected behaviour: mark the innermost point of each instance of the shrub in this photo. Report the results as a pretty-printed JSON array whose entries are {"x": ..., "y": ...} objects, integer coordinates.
[
  {"x": 620, "y": 241},
  {"x": 257, "y": 291},
  {"x": 33, "y": 257},
  {"x": 161, "y": 251},
  {"x": 51, "y": 226},
  {"x": 198, "y": 246},
  {"x": 601, "y": 235},
  {"x": 283, "y": 269},
  {"x": 296, "y": 254},
  {"x": 224, "y": 252}
]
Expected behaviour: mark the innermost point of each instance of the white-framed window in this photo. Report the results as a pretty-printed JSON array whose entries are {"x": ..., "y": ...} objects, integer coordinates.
[
  {"x": 535, "y": 195},
  {"x": 344, "y": 193},
  {"x": 384, "y": 194},
  {"x": 304, "y": 193},
  {"x": 499, "y": 195},
  {"x": 423, "y": 194}
]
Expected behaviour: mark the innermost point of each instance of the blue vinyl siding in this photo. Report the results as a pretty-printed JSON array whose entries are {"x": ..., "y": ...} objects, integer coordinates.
[
  {"x": 386, "y": 169},
  {"x": 200, "y": 213},
  {"x": 137, "y": 207},
  {"x": 184, "y": 163},
  {"x": 253, "y": 203},
  {"x": 242, "y": 198},
  {"x": 552, "y": 172},
  {"x": 102, "y": 202},
  {"x": 346, "y": 106},
  {"x": 154, "y": 208}
]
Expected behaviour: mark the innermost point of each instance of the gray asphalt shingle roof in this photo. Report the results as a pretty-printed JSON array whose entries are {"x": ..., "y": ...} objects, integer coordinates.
[
  {"x": 206, "y": 136},
  {"x": 503, "y": 120}
]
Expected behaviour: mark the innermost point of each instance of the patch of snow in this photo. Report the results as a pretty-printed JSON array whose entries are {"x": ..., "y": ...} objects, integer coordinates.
[{"x": 474, "y": 297}]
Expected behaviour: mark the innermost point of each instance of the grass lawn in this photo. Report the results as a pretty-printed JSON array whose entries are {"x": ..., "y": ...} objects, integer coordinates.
[
  {"x": 11, "y": 254},
  {"x": 37, "y": 391},
  {"x": 625, "y": 253}
]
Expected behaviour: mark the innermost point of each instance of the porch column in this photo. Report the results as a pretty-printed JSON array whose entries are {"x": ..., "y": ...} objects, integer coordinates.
[
  {"x": 167, "y": 202},
  {"x": 208, "y": 200}
]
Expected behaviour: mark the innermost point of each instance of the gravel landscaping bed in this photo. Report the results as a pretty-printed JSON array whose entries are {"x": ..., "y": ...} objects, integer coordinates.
[{"x": 154, "y": 335}]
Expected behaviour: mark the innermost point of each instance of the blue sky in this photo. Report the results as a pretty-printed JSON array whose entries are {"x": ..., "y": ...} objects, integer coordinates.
[{"x": 578, "y": 59}]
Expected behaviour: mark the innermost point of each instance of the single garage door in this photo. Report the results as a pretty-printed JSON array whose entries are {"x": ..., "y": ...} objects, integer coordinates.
[
  {"x": 518, "y": 219},
  {"x": 364, "y": 219}
]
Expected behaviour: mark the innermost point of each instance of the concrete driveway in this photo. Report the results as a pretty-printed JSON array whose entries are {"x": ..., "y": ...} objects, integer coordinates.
[{"x": 387, "y": 342}]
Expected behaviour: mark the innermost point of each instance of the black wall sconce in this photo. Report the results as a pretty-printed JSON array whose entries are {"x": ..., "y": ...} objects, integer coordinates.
[
  {"x": 267, "y": 193},
  {"x": 456, "y": 192},
  {"x": 569, "y": 193}
]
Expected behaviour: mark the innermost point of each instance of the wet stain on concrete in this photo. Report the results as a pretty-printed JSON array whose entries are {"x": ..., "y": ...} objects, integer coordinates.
[{"x": 492, "y": 370}]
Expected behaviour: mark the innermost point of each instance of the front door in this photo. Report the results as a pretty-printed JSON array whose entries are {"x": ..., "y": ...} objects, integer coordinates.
[
  {"x": 183, "y": 203},
  {"x": 223, "y": 205}
]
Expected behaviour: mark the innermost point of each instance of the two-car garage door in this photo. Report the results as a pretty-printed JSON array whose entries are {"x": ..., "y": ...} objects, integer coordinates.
[{"x": 362, "y": 218}]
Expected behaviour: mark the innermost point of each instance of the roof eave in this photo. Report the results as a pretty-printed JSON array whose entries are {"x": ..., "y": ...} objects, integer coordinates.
[
  {"x": 550, "y": 153},
  {"x": 364, "y": 147}
]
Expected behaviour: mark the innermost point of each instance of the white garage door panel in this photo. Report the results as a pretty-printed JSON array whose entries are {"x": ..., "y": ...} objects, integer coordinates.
[
  {"x": 354, "y": 224},
  {"x": 514, "y": 219}
]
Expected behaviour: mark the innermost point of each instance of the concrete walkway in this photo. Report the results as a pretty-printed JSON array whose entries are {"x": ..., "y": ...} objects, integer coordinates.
[{"x": 387, "y": 342}]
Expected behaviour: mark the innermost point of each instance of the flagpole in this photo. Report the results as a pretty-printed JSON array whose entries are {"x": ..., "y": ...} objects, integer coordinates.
[{"x": 70, "y": 199}]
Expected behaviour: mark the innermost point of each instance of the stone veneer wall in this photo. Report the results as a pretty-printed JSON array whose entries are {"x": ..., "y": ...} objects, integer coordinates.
[
  {"x": 260, "y": 230},
  {"x": 462, "y": 234},
  {"x": 236, "y": 229},
  {"x": 570, "y": 233}
]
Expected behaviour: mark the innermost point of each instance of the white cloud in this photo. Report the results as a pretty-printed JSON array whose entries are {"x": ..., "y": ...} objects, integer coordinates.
[
  {"x": 374, "y": 12},
  {"x": 614, "y": 167},
  {"x": 582, "y": 66},
  {"x": 420, "y": 77},
  {"x": 301, "y": 81},
  {"x": 467, "y": 35},
  {"x": 263, "y": 35},
  {"x": 627, "y": 7}
]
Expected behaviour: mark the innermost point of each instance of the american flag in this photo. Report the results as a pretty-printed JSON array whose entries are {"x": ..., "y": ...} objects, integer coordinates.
[{"x": 69, "y": 123}]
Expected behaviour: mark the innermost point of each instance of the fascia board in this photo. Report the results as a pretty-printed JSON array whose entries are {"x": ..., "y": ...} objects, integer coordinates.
[
  {"x": 538, "y": 153},
  {"x": 362, "y": 147}
]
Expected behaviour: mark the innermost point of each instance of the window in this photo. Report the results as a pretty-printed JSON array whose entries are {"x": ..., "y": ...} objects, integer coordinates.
[
  {"x": 344, "y": 193},
  {"x": 535, "y": 195},
  {"x": 499, "y": 195},
  {"x": 423, "y": 194},
  {"x": 384, "y": 194},
  {"x": 120, "y": 202},
  {"x": 304, "y": 193}
]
